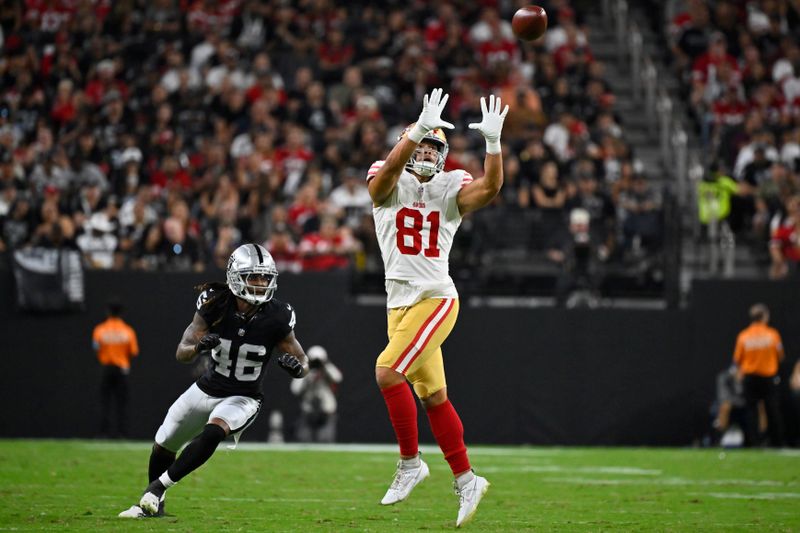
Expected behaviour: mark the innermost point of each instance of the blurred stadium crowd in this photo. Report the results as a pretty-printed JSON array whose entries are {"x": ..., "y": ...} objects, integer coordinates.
[
  {"x": 159, "y": 135},
  {"x": 739, "y": 62}
]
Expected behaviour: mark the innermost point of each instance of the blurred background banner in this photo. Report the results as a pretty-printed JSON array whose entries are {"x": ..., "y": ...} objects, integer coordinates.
[
  {"x": 48, "y": 279},
  {"x": 638, "y": 377}
]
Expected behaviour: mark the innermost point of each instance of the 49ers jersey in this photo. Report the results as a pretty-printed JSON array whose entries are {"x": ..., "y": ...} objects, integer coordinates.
[{"x": 415, "y": 227}]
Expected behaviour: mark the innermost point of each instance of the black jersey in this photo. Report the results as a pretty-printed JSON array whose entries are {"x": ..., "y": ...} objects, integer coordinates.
[{"x": 246, "y": 343}]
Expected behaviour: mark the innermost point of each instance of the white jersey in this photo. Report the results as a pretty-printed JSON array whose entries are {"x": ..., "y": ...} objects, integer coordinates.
[{"x": 415, "y": 227}]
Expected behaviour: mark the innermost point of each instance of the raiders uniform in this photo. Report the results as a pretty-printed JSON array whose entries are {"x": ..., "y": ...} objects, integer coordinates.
[
  {"x": 245, "y": 343},
  {"x": 226, "y": 400}
]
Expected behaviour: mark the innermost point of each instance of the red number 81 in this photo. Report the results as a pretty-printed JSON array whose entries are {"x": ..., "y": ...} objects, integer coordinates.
[{"x": 415, "y": 232}]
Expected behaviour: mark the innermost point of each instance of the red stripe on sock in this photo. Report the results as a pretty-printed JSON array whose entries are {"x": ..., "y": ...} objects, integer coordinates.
[
  {"x": 403, "y": 415},
  {"x": 417, "y": 336},
  {"x": 449, "y": 432}
]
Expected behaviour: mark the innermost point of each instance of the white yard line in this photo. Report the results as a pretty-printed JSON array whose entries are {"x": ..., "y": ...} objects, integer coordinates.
[
  {"x": 672, "y": 481},
  {"x": 392, "y": 448},
  {"x": 622, "y": 470},
  {"x": 788, "y": 451},
  {"x": 342, "y": 448},
  {"x": 281, "y": 500},
  {"x": 753, "y": 496}
]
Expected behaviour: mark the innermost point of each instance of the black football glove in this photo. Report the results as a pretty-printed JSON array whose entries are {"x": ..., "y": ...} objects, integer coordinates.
[
  {"x": 207, "y": 343},
  {"x": 291, "y": 365}
]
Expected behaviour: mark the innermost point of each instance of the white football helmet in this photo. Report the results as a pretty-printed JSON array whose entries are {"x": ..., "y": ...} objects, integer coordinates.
[
  {"x": 426, "y": 168},
  {"x": 252, "y": 274}
]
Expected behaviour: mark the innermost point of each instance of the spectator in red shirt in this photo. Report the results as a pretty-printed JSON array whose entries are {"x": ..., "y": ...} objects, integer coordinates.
[
  {"x": 104, "y": 82},
  {"x": 729, "y": 109},
  {"x": 263, "y": 157},
  {"x": 284, "y": 251},
  {"x": 572, "y": 54},
  {"x": 334, "y": 55},
  {"x": 497, "y": 49},
  {"x": 205, "y": 16},
  {"x": 293, "y": 159},
  {"x": 436, "y": 27},
  {"x": 784, "y": 247},
  {"x": 171, "y": 175},
  {"x": 64, "y": 109},
  {"x": 705, "y": 65},
  {"x": 328, "y": 249},
  {"x": 162, "y": 132},
  {"x": 266, "y": 85},
  {"x": 490, "y": 20},
  {"x": 303, "y": 212},
  {"x": 48, "y": 16}
]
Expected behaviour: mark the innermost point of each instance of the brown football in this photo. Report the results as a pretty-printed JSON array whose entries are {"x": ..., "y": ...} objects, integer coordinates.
[{"x": 529, "y": 23}]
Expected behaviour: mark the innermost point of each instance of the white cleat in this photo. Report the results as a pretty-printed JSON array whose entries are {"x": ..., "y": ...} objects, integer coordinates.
[
  {"x": 134, "y": 512},
  {"x": 469, "y": 497},
  {"x": 405, "y": 479},
  {"x": 149, "y": 503}
]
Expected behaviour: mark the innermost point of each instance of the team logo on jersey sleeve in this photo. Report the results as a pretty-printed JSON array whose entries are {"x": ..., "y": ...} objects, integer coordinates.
[{"x": 202, "y": 299}]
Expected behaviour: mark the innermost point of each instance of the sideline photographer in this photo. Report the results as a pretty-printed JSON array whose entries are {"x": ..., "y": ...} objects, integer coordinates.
[{"x": 317, "y": 393}]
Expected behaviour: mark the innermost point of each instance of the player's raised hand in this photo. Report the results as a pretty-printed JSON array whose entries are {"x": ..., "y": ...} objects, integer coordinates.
[
  {"x": 207, "y": 343},
  {"x": 292, "y": 365},
  {"x": 431, "y": 116},
  {"x": 491, "y": 124}
]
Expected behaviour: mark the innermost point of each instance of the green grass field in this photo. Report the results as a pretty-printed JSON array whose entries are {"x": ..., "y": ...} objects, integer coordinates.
[{"x": 82, "y": 485}]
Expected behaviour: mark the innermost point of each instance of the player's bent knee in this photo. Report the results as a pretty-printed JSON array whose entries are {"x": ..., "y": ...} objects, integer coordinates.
[
  {"x": 162, "y": 451},
  {"x": 437, "y": 398},
  {"x": 386, "y": 377},
  {"x": 213, "y": 434},
  {"x": 220, "y": 423}
]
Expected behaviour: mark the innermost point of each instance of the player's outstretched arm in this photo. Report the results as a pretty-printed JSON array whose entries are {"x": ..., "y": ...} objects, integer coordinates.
[
  {"x": 481, "y": 191},
  {"x": 190, "y": 346},
  {"x": 293, "y": 359},
  {"x": 381, "y": 186}
]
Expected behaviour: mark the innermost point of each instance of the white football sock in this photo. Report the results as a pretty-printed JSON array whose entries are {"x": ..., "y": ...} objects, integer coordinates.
[
  {"x": 165, "y": 480},
  {"x": 407, "y": 464},
  {"x": 465, "y": 478}
]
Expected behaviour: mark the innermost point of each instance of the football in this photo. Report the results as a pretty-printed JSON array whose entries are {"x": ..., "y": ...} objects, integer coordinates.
[{"x": 529, "y": 23}]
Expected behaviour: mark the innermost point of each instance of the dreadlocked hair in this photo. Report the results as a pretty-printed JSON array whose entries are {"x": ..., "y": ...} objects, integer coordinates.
[{"x": 219, "y": 295}]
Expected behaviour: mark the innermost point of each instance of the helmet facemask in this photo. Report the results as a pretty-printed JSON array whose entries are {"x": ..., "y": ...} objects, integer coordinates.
[
  {"x": 252, "y": 274},
  {"x": 425, "y": 168}
]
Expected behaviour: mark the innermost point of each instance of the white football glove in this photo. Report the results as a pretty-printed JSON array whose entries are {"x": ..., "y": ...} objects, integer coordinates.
[
  {"x": 431, "y": 116},
  {"x": 492, "y": 123}
]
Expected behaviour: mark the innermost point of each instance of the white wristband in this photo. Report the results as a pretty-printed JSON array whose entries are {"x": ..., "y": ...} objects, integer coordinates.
[
  {"x": 417, "y": 133},
  {"x": 493, "y": 147}
]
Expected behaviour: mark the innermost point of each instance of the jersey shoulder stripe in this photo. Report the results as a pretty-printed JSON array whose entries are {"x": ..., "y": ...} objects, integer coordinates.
[
  {"x": 459, "y": 178},
  {"x": 374, "y": 169}
]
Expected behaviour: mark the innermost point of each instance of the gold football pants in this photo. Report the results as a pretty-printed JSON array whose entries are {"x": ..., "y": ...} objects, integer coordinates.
[{"x": 416, "y": 335}]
